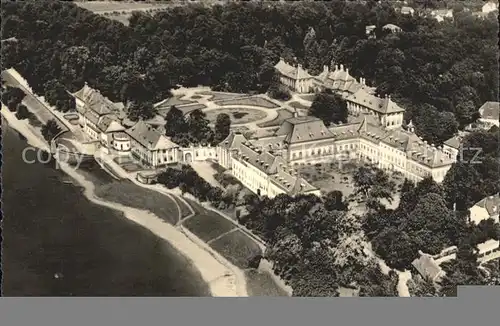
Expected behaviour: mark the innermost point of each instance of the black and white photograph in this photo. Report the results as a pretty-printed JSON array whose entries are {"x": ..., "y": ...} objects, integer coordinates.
[{"x": 249, "y": 148}]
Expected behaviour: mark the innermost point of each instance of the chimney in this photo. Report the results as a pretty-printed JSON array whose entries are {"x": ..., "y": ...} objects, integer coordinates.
[
  {"x": 342, "y": 67},
  {"x": 325, "y": 68}
]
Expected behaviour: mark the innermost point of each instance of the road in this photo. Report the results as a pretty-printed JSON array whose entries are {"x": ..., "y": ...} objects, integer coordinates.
[
  {"x": 31, "y": 101},
  {"x": 39, "y": 107}
]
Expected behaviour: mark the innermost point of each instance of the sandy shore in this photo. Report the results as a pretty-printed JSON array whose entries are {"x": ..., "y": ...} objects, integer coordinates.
[
  {"x": 222, "y": 281},
  {"x": 33, "y": 136}
]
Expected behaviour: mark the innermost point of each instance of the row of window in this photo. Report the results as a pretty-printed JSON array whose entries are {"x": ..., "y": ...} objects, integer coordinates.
[
  {"x": 489, "y": 252},
  {"x": 322, "y": 151}
]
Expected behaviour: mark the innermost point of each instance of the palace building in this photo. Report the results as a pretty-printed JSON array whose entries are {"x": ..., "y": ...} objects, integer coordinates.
[
  {"x": 338, "y": 80},
  {"x": 100, "y": 119},
  {"x": 360, "y": 98},
  {"x": 262, "y": 163}
]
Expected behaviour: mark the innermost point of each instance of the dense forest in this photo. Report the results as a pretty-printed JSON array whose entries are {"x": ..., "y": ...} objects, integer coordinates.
[{"x": 440, "y": 72}]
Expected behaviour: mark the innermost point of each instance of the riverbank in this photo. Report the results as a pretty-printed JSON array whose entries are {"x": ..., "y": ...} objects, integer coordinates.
[
  {"x": 213, "y": 273},
  {"x": 220, "y": 280},
  {"x": 33, "y": 136}
]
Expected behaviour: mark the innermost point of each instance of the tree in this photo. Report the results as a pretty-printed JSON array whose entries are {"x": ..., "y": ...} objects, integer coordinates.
[
  {"x": 276, "y": 90},
  {"x": 55, "y": 94},
  {"x": 198, "y": 127},
  {"x": 11, "y": 97},
  {"x": 434, "y": 126},
  {"x": 476, "y": 171},
  {"x": 329, "y": 107},
  {"x": 373, "y": 184},
  {"x": 175, "y": 122},
  {"x": 50, "y": 130},
  {"x": 461, "y": 271},
  {"x": 22, "y": 112},
  {"x": 141, "y": 111},
  {"x": 333, "y": 201},
  {"x": 222, "y": 127}
]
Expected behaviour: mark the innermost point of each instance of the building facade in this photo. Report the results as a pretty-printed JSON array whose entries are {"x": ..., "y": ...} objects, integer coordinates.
[
  {"x": 337, "y": 80},
  {"x": 489, "y": 114},
  {"x": 489, "y": 7},
  {"x": 151, "y": 147},
  {"x": 304, "y": 141},
  {"x": 99, "y": 117},
  {"x": 359, "y": 97}
]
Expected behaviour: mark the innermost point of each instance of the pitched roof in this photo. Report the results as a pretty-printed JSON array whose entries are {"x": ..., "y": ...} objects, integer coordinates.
[
  {"x": 270, "y": 142},
  {"x": 488, "y": 245},
  {"x": 407, "y": 10},
  {"x": 382, "y": 105},
  {"x": 292, "y": 185},
  {"x": 233, "y": 140},
  {"x": 490, "y": 110},
  {"x": 369, "y": 131},
  {"x": 104, "y": 123},
  {"x": 427, "y": 155},
  {"x": 490, "y": 203},
  {"x": 453, "y": 142},
  {"x": 442, "y": 12},
  {"x": 96, "y": 102},
  {"x": 92, "y": 116},
  {"x": 261, "y": 160},
  {"x": 400, "y": 139},
  {"x": 148, "y": 137},
  {"x": 345, "y": 131},
  {"x": 302, "y": 129},
  {"x": 392, "y": 27},
  {"x": 290, "y": 71},
  {"x": 427, "y": 267}
]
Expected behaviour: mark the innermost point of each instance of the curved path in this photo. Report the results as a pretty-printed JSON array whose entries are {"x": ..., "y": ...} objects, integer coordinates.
[
  {"x": 271, "y": 114},
  {"x": 232, "y": 278}
]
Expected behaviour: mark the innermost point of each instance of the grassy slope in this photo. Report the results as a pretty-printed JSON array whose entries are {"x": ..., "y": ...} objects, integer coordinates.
[
  {"x": 207, "y": 224},
  {"x": 129, "y": 194},
  {"x": 237, "y": 247},
  {"x": 262, "y": 284},
  {"x": 282, "y": 115}
]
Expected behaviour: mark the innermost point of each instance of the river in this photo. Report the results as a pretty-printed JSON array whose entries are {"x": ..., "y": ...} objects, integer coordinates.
[{"x": 57, "y": 243}]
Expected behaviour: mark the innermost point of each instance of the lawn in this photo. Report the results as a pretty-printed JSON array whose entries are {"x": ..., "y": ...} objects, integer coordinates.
[
  {"x": 298, "y": 105},
  {"x": 237, "y": 115},
  {"x": 283, "y": 114},
  {"x": 131, "y": 167},
  {"x": 126, "y": 193},
  {"x": 174, "y": 101},
  {"x": 253, "y": 101},
  {"x": 185, "y": 211},
  {"x": 262, "y": 284},
  {"x": 207, "y": 224},
  {"x": 185, "y": 109},
  {"x": 218, "y": 96},
  {"x": 237, "y": 247},
  {"x": 308, "y": 97},
  {"x": 327, "y": 177},
  {"x": 128, "y": 164}
]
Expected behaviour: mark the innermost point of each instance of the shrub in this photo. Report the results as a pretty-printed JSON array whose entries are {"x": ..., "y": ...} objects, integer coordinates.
[{"x": 22, "y": 112}]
